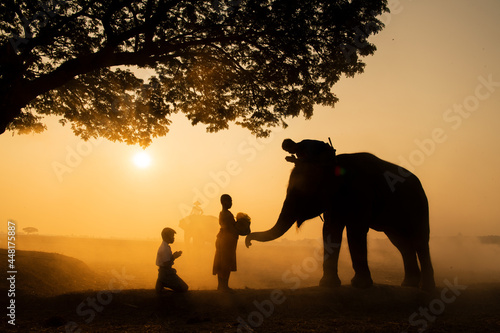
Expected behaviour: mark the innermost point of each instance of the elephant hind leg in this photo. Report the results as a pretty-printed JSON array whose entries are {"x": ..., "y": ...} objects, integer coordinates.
[
  {"x": 409, "y": 254},
  {"x": 424, "y": 257}
]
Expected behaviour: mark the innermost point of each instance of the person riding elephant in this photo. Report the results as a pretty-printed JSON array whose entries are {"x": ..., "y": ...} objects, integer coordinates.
[
  {"x": 311, "y": 151},
  {"x": 196, "y": 210}
]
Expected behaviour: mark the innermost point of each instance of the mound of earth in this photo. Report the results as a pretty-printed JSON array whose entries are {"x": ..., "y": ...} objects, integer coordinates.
[{"x": 49, "y": 274}]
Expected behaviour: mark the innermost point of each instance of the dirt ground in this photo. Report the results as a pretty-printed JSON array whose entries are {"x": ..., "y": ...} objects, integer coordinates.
[
  {"x": 92, "y": 285},
  {"x": 379, "y": 309}
]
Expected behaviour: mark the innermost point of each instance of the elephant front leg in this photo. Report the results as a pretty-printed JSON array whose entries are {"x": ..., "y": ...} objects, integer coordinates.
[
  {"x": 356, "y": 237},
  {"x": 332, "y": 239}
]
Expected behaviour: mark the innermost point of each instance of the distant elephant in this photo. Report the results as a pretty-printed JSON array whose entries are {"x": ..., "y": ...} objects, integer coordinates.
[
  {"x": 357, "y": 192},
  {"x": 199, "y": 229}
]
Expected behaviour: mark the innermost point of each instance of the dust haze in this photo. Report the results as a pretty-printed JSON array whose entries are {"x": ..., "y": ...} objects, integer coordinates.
[{"x": 281, "y": 264}]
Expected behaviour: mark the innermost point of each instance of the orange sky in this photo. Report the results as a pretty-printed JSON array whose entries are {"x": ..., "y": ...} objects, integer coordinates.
[{"x": 429, "y": 99}]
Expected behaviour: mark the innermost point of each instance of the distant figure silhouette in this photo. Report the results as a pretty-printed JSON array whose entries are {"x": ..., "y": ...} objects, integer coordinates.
[
  {"x": 199, "y": 229},
  {"x": 308, "y": 151},
  {"x": 167, "y": 276},
  {"x": 197, "y": 209},
  {"x": 225, "y": 245}
]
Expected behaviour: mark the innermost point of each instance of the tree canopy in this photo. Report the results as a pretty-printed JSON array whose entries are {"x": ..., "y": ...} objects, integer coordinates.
[{"x": 253, "y": 63}]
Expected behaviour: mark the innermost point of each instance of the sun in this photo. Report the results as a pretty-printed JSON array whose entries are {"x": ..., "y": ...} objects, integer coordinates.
[{"x": 142, "y": 160}]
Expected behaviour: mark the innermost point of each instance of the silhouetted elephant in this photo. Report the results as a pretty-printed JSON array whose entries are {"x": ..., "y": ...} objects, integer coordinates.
[
  {"x": 199, "y": 228},
  {"x": 357, "y": 192}
]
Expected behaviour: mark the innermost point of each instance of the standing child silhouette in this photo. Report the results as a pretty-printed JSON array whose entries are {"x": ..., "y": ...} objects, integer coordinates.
[{"x": 225, "y": 245}]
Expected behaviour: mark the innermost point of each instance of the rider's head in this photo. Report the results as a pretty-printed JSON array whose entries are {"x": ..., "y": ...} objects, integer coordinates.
[{"x": 289, "y": 145}]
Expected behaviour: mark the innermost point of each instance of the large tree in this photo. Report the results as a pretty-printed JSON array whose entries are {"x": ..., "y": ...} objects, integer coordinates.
[{"x": 249, "y": 62}]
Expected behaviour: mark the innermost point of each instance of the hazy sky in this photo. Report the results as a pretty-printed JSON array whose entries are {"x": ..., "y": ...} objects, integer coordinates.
[{"x": 429, "y": 99}]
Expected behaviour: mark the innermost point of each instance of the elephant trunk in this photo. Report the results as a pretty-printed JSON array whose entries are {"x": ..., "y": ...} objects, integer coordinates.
[{"x": 286, "y": 219}]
